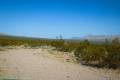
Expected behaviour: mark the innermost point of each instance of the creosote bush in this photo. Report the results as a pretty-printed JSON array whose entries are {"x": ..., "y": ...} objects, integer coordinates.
[{"x": 102, "y": 55}]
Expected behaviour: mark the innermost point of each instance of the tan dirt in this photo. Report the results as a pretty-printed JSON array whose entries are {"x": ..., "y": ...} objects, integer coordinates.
[{"x": 32, "y": 64}]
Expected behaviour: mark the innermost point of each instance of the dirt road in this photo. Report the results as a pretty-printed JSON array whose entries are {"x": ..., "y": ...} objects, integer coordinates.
[{"x": 31, "y": 64}]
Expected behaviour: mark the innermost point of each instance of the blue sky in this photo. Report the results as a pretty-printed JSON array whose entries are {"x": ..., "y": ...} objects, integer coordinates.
[{"x": 51, "y": 18}]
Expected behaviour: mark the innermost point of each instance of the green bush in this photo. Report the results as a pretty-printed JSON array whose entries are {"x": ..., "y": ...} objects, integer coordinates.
[
  {"x": 112, "y": 59},
  {"x": 99, "y": 55}
]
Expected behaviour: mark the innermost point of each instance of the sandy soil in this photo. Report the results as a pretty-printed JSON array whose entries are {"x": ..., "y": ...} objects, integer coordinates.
[{"x": 33, "y": 64}]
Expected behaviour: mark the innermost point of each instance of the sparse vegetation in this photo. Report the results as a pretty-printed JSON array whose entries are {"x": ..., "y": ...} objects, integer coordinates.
[{"x": 100, "y": 55}]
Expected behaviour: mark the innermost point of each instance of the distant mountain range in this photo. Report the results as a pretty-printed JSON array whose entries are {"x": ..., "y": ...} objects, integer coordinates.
[
  {"x": 102, "y": 36},
  {"x": 97, "y": 38},
  {"x": 6, "y": 36},
  {"x": 92, "y": 38}
]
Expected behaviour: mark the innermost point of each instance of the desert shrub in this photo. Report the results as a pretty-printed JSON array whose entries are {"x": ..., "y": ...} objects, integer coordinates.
[
  {"x": 80, "y": 49},
  {"x": 58, "y": 44},
  {"x": 112, "y": 59},
  {"x": 91, "y": 55},
  {"x": 78, "y": 52},
  {"x": 103, "y": 55}
]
